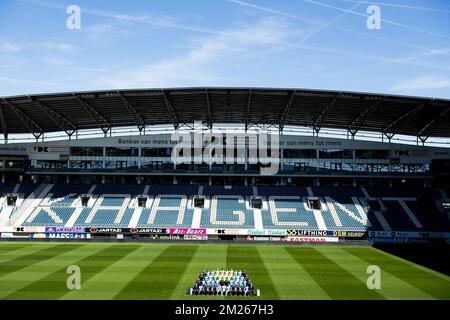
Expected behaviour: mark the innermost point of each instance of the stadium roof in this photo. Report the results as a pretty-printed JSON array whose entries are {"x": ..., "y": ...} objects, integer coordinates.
[{"x": 352, "y": 111}]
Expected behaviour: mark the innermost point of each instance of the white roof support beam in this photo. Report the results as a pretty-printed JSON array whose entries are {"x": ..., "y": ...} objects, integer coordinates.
[
  {"x": 386, "y": 130},
  {"x": 132, "y": 111},
  {"x": 361, "y": 119},
  {"x": 63, "y": 123},
  {"x": 3, "y": 123},
  {"x": 286, "y": 109},
  {"x": 31, "y": 126},
  {"x": 425, "y": 132},
  {"x": 325, "y": 112},
  {"x": 208, "y": 103},
  {"x": 101, "y": 121},
  {"x": 172, "y": 115},
  {"x": 247, "y": 110}
]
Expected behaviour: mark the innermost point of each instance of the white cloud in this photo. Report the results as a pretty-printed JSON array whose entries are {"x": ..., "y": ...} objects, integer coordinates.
[
  {"x": 99, "y": 31},
  {"x": 197, "y": 65},
  {"x": 9, "y": 47},
  {"x": 422, "y": 83},
  {"x": 32, "y": 83},
  {"x": 99, "y": 34},
  {"x": 62, "y": 46},
  {"x": 149, "y": 19},
  {"x": 163, "y": 21},
  {"x": 154, "y": 20},
  {"x": 9, "y": 61},
  {"x": 433, "y": 52},
  {"x": 57, "y": 61},
  {"x": 321, "y": 24}
]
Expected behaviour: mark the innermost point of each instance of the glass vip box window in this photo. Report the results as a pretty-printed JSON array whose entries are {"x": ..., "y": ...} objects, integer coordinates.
[
  {"x": 372, "y": 154},
  {"x": 335, "y": 154},
  {"x": 156, "y": 152},
  {"x": 86, "y": 151},
  {"x": 299, "y": 153},
  {"x": 121, "y": 152}
]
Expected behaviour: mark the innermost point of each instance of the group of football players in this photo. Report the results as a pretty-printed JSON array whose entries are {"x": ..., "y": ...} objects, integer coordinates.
[{"x": 223, "y": 283}]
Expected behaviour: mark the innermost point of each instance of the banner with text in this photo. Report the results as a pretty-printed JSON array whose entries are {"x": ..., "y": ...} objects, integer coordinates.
[
  {"x": 185, "y": 231},
  {"x": 312, "y": 239},
  {"x": 65, "y": 229}
]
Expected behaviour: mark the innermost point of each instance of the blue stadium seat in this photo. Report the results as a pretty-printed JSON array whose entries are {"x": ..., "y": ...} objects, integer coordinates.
[{"x": 343, "y": 204}]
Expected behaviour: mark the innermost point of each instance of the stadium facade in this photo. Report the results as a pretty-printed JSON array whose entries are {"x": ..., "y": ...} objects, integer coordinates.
[{"x": 205, "y": 175}]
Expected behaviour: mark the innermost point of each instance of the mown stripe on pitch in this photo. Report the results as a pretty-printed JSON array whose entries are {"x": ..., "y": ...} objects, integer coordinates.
[
  {"x": 54, "y": 285},
  {"x": 247, "y": 258},
  {"x": 392, "y": 287},
  {"x": 17, "y": 251},
  {"x": 160, "y": 277},
  {"x": 106, "y": 284},
  {"x": 5, "y": 248},
  {"x": 23, "y": 251},
  {"x": 32, "y": 258},
  {"x": 208, "y": 257},
  {"x": 421, "y": 279},
  {"x": 17, "y": 280},
  {"x": 334, "y": 280},
  {"x": 289, "y": 278}
]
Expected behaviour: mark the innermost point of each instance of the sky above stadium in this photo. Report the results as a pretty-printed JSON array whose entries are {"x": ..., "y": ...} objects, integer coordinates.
[{"x": 317, "y": 44}]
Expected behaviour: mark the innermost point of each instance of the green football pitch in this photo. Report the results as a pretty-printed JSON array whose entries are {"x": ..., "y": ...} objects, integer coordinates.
[{"x": 165, "y": 271}]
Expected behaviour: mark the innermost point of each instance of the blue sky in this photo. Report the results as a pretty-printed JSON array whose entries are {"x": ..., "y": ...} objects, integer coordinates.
[{"x": 319, "y": 44}]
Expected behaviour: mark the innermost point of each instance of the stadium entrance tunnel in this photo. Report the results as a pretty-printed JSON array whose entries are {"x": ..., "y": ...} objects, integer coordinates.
[
  {"x": 256, "y": 202},
  {"x": 314, "y": 203},
  {"x": 85, "y": 199},
  {"x": 199, "y": 201},
  {"x": 11, "y": 199},
  {"x": 142, "y": 200}
]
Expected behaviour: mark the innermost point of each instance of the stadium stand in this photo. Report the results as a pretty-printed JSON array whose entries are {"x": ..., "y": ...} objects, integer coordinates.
[
  {"x": 167, "y": 211},
  {"x": 288, "y": 212},
  {"x": 227, "y": 211},
  {"x": 374, "y": 179},
  {"x": 339, "y": 208}
]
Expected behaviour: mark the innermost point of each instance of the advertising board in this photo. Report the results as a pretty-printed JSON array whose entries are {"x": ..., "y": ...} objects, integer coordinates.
[{"x": 312, "y": 239}]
